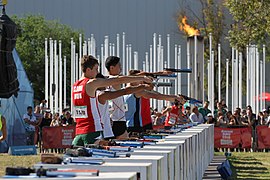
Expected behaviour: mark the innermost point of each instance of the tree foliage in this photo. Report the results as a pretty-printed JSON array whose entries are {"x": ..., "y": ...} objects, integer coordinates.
[
  {"x": 251, "y": 22},
  {"x": 30, "y": 46}
]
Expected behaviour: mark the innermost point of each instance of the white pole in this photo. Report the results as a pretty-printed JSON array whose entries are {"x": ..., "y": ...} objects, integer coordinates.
[
  {"x": 144, "y": 66},
  {"x": 130, "y": 56},
  {"x": 127, "y": 59},
  {"x": 56, "y": 78},
  {"x": 60, "y": 78},
  {"x": 89, "y": 46},
  {"x": 227, "y": 82},
  {"x": 80, "y": 46},
  {"x": 113, "y": 49},
  {"x": 106, "y": 53},
  {"x": 71, "y": 73},
  {"x": 263, "y": 75},
  {"x": 93, "y": 45},
  {"x": 213, "y": 82},
  {"x": 248, "y": 77},
  {"x": 76, "y": 67},
  {"x": 103, "y": 68},
  {"x": 176, "y": 65},
  {"x": 233, "y": 80},
  {"x": 161, "y": 68},
  {"x": 240, "y": 80},
  {"x": 219, "y": 73},
  {"x": 257, "y": 79},
  {"x": 46, "y": 71},
  {"x": 117, "y": 45},
  {"x": 146, "y": 62},
  {"x": 261, "y": 86},
  {"x": 209, "y": 78},
  {"x": 188, "y": 65},
  {"x": 195, "y": 68},
  {"x": 154, "y": 52},
  {"x": 84, "y": 48},
  {"x": 168, "y": 51},
  {"x": 179, "y": 67},
  {"x": 51, "y": 74},
  {"x": 124, "y": 61},
  {"x": 151, "y": 59},
  {"x": 135, "y": 57},
  {"x": 236, "y": 79},
  {"x": 210, "y": 69},
  {"x": 65, "y": 81},
  {"x": 110, "y": 49}
]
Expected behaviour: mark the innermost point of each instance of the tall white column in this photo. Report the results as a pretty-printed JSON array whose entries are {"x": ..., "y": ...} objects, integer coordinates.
[
  {"x": 127, "y": 59},
  {"x": 136, "y": 61},
  {"x": 257, "y": 79},
  {"x": 188, "y": 65},
  {"x": 227, "y": 82},
  {"x": 263, "y": 75},
  {"x": 93, "y": 45},
  {"x": 60, "y": 78},
  {"x": 110, "y": 49},
  {"x": 124, "y": 61},
  {"x": 113, "y": 49},
  {"x": 213, "y": 82},
  {"x": 89, "y": 46},
  {"x": 103, "y": 68},
  {"x": 130, "y": 56},
  {"x": 56, "y": 105},
  {"x": 117, "y": 45},
  {"x": 51, "y": 74},
  {"x": 80, "y": 46},
  {"x": 240, "y": 80},
  {"x": 46, "y": 71},
  {"x": 179, "y": 67},
  {"x": 151, "y": 59},
  {"x": 261, "y": 86},
  {"x": 247, "y": 77},
  {"x": 176, "y": 65},
  {"x": 195, "y": 68},
  {"x": 219, "y": 73},
  {"x": 147, "y": 66},
  {"x": 233, "y": 80},
  {"x": 72, "y": 72},
  {"x": 168, "y": 52},
  {"x": 209, "y": 78},
  {"x": 65, "y": 81}
]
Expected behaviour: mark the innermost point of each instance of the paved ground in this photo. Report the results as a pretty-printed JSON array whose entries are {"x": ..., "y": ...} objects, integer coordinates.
[{"x": 211, "y": 172}]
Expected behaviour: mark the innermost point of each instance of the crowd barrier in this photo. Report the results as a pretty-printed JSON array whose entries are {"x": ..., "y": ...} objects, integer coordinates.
[
  {"x": 57, "y": 137},
  {"x": 242, "y": 137}
]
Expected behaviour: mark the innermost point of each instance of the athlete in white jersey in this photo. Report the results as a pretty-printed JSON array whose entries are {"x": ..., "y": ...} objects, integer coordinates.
[
  {"x": 118, "y": 109},
  {"x": 103, "y": 104}
]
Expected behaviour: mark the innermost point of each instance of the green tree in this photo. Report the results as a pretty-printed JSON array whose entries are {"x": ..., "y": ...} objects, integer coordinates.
[
  {"x": 251, "y": 22},
  {"x": 30, "y": 46}
]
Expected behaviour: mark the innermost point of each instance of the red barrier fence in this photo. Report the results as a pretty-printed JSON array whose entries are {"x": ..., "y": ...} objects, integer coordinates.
[
  {"x": 263, "y": 133},
  {"x": 233, "y": 137},
  {"x": 58, "y": 137}
]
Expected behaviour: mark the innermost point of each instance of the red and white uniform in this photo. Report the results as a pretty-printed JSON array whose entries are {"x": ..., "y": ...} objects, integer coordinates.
[
  {"x": 85, "y": 109},
  {"x": 172, "y": 116}
]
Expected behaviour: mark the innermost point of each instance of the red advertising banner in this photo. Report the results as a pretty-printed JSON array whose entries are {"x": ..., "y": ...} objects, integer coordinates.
[
  {"x": 232, "y": 137},
  {"x": 263, "y": 137},
  {"x": 57, "y": 137}
]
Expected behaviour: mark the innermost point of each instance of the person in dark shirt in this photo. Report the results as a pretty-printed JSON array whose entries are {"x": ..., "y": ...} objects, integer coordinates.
[
  {"x": 46, "y": 120},
  {"x": 68, "y": 120}
]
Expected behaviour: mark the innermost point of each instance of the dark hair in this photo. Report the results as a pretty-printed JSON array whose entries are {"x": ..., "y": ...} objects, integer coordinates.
[
  {"x": 133, "y": 72},
  {"x": 88, "y": 62},
  {"x": 29, "y": 107},
  {"x": 111, "y": 61},
  {"x": 99, "y": 75}
]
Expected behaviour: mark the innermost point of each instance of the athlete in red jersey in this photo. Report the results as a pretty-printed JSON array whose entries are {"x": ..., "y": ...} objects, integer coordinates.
[
  {"x": 173, "y": 114},
  {"x": 88, "y": 123}
]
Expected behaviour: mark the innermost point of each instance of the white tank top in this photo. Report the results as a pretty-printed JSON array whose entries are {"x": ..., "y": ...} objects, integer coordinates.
[
  {"x": 105, "y": 118},
  {"x": 117, "y": 108}
]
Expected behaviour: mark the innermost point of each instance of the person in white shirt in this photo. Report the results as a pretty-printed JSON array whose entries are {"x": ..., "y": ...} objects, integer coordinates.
[
  {"x": 31, "y": 123},
  {"x": 196, "y": 116}
]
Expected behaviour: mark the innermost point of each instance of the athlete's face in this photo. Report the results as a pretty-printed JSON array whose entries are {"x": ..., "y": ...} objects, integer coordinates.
[
  {"x": 116, "y": 70},
  {"x": 94, "y": 71}
]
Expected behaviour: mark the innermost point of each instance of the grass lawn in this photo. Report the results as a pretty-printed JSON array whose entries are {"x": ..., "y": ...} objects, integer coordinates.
[
  {"x": 254, "y": 165},
  {"x": 12, "y": 161}
]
